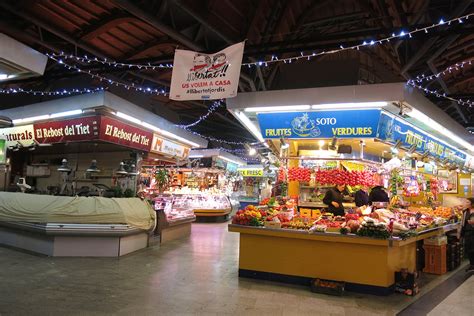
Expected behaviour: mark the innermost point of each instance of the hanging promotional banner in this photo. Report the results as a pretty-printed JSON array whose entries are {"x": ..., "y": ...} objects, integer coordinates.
[
  {"x": 117, "y": 132},
  {"x": 198, "y": 76},
  {"x": 161, "y": 145},
  {"x": 80, "y": 129},
  {"x": 393, "y": 129},
  {"x": 319, "y": 124},
  {"x": 23, "y": 135}
]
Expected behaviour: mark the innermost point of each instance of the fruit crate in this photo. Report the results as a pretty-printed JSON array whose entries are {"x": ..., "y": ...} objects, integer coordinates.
[
  {"x": 435, "y": 259},
  {"x": 327, "y": 287}
]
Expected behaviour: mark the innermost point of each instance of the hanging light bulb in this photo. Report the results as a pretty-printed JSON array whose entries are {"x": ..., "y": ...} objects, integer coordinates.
[
  {"x": 333, "y": 145},
  {"x": 121, "y": 170},
  {"x": 283, "y": 143},
  {"x": 64, "y": 166},
  {"x": 93, "y": 167},
  {"x": 132, "y": 171}
]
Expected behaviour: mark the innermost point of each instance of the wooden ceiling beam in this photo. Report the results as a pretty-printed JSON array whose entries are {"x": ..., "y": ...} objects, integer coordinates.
[{"x": 103, "y": 25}]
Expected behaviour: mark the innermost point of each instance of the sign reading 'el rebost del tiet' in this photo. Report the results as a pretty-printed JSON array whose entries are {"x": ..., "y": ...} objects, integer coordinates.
[
  {"x": 117, "y": 132},
  {"x": 79, "y": 129},
  {"x": 320, "y": 124},
  {"x": 198, "y": 76}
]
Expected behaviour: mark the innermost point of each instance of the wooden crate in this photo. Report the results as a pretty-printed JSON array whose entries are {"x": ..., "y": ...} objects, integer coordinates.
[{"x": 435, "y": 259}]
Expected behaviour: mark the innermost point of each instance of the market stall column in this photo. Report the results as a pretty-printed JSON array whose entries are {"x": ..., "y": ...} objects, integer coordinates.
[{"x": 293, "y": 186}]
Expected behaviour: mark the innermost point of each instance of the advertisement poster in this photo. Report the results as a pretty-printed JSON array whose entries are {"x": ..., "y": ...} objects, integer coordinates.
[
  {"x": 80, "y": 129},
  {"x": 392, "y": 130},
  {"x": 18, "y": 134},
  {"x": 320, "y": 124},
  {"x": 198, "y": 76},
  {"x": 161, "y": 145},
  {"x": 114, "y": 131}
]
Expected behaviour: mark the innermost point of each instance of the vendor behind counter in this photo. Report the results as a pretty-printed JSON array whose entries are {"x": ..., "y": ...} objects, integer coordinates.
[{"x": 334, "y": 198}]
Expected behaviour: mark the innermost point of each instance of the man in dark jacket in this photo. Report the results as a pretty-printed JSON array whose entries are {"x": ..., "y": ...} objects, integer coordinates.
[
  {"x": 361, "y": 197},
  {"x": 378, "y": 194},
  {"x": 333, "y": 199}
]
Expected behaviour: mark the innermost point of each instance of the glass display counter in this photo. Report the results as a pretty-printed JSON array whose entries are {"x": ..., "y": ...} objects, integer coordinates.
[
  {"x": 206, "y": 207},
  {"x": 174, "y": 217}
]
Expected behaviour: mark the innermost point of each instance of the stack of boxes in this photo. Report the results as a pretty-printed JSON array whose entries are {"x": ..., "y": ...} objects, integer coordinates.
[
  {"x": 454, "y": 253},
  {"x": 435, "y": 255}
]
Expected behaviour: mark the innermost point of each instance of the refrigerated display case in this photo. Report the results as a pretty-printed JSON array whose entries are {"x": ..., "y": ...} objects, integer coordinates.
[
  {"x": 205, "y": 207},
  {"x": 174, "y": 217}
]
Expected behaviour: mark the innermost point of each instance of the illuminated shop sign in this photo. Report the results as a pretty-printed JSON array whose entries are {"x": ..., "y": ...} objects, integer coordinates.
[
  {"x": 320, "y": 124},
  {"x": 3, "y": 150},
  {"x": 251, "y": 172},
  {"x": 80, "y": 129},
  {"x": 18, "y": 134},
  {"x": 161, "y": 145},
  {"x": 393, "y": 130},
  {"x": 117, "y": 132}
]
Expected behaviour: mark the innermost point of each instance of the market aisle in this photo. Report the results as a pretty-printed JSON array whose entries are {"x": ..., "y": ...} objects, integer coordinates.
[
  {"x": 459, "y": 303},
  {"x": 192, "y": 276}
]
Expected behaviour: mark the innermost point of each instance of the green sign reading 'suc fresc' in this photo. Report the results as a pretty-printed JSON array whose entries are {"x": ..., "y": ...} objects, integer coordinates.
[{"x": 3, "y": 150}]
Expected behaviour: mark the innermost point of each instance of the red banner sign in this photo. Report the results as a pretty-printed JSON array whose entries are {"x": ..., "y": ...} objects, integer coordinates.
[
  {"x": 80, "y": 129},
  {"x": 114, "y": 131}
]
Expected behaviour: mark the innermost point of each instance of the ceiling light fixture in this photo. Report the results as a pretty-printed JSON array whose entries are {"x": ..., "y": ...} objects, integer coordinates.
[
  {"x": 283, "y": 108},
  {"x": 358, "y": 105},
  {"x": 67, "y": 113},
  {"x": 333, "y": 145},
  {"x": 250, "y": 126},
  {"x": 155, "y": 129},
  {"x": 283, "y": 143},
  {"x": 230, "y": 160},
  {"x": 423, "y": 118},
  {"x": 250, "y": 150}
]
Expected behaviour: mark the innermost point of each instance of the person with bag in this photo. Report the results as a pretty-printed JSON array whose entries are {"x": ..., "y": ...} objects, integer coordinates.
[{"x": 467, "y": 231}]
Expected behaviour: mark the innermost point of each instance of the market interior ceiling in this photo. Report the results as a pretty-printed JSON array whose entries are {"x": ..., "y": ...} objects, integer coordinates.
[{"x": 148, "y": 31}]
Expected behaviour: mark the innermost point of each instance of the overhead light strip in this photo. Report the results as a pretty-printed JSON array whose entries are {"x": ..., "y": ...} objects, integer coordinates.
[
  {"x": 250, "y": 126},
  {"x": 155, "y": 129}
]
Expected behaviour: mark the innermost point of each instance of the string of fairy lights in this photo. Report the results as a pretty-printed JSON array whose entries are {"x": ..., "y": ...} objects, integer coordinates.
[
  {"x": 62, "y": 58},
  {"x": 448, "y": 70},
  {"x": 51, "y": 93},
  {"x": 403, "y": 34},
  {"x": 214, "y": 106},
  {"x": 132, "y": 86}
]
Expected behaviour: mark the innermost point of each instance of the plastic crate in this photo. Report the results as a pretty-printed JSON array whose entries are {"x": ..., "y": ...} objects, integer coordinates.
[
  {"x": 327, "y": 287},
  {"x": 435, "y": 259}
]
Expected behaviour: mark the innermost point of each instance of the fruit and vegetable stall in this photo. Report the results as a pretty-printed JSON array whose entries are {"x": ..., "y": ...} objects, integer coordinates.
[{"x": 364, "y": 248}]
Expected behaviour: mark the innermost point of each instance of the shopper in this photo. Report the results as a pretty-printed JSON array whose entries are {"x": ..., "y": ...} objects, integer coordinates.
[
  {"x": 333, "y": 199},
  {"x": 266, "y": 193},
  {"x": 361, "y": 197},
  {"x": 468, "y": 232},
  {"x": 378, "y": 194}
]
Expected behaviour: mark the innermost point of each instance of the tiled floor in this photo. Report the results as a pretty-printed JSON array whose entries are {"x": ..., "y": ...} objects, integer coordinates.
[
  {"x": 192, "y": 276},
  {"x": 459, "y": 303}
]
